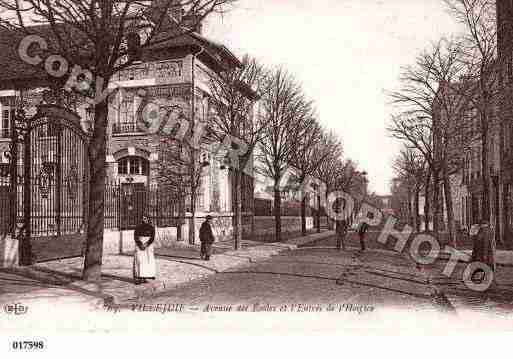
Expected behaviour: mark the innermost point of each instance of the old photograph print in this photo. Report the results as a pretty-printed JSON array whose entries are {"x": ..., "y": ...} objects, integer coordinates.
[{"x": 255, "y": 166}]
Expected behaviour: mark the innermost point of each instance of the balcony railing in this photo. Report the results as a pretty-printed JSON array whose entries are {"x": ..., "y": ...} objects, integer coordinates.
[
  {"x": 125, "y": 127},
  {"x": 5, "y": 133},
  {"x": 162, "y": 71}
]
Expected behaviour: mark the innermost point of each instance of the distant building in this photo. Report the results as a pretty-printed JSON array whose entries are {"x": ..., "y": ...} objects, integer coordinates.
[{"x": 505, "y": 174}]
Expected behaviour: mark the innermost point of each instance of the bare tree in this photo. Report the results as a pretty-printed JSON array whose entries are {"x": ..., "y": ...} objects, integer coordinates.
[
  {"x": 351, "y": 181},
  {"x": 410, "y": 169},
  {"x": 329, "y": 170},
  {"x": 285, "y": 111},
  {"x": 103, "y": 37},
  {"x": 480, "y": 50},
  {"x": 180, "y": 169},
  {"x": 233, "y": 96},
  {"x": 417, "y": 134},
  {"x": 432, "y": 116},
  {"x": 309, "y": 152}
]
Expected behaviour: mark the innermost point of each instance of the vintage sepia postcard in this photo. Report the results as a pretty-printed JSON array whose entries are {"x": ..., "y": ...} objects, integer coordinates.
[{"x": 255, "y": 166}]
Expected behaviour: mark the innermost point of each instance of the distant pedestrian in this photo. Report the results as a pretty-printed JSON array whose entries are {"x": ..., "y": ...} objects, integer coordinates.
[
  {"x": 362, "y": 231},
  {"x": 484, "y": 244},
  {"x": 206, "y": 238},
  {"x": 144, "y": 258},
  {"x": 341, "y": 230}
]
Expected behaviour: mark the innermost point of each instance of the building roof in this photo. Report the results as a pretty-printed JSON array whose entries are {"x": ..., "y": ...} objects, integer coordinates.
[
  {"x": 215, "y": 51},
  {"x": 12, "y": 67},
  {"x": 13, "y": 70}
]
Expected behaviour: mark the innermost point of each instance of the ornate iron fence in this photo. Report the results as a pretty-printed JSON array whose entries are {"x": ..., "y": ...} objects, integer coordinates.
[
  {"x": 126, "y": 203},
  {"x": 124, "y": 207},
  {"x": 6, "y": 201}
]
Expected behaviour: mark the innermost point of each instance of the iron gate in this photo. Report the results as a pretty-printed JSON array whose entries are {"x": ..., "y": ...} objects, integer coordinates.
[{"x": 52, "y": 185}]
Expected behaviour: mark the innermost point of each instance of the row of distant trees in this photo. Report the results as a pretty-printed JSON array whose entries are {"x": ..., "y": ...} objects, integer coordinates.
[
  {"x": 284, "y": 139},
  {"x": 452, "y": 84}
]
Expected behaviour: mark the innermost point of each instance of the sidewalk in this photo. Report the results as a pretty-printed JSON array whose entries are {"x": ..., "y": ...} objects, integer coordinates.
[
  {"x": 504, "y": 258},
  {"x": 60, "y": 281}
]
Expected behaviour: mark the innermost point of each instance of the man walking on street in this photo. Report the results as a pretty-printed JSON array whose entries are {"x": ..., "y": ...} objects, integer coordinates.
[
  {"x": 362, "y": 230},
  {"x": 206, "y": 238},
  {"x": 341, "y": 230},
  {"x": 483, "y": 248}
]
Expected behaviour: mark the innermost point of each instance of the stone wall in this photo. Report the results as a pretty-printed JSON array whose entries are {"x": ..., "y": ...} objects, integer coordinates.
[
  {"x": 123, "y": 241},
  {"x": 116, "y": 241},
  {"x": 288, "y": 224}
]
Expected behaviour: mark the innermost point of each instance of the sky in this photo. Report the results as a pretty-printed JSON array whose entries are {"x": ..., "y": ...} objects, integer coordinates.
[{"x": 346, "y": 53}]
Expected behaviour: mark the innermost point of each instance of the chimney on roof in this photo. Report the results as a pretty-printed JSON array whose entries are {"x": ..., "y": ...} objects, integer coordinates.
[
  {"x": 193, "y": 22},
  {"x": 176, "y": 12},
  {"x": 168, "y": 10}
]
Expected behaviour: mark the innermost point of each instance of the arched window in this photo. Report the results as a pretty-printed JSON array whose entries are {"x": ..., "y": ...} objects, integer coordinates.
[{"x": 133, "y": 165}]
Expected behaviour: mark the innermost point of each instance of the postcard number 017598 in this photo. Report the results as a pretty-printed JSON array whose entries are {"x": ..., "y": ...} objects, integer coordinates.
[{"x": 27, "y": 345}]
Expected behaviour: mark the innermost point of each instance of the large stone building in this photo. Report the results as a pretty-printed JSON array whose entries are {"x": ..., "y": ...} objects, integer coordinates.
[
  {"x": 175, "y": 74},
  {"x": 505, "y": 113},
  {"x": 467, "y": 182},
  {"x": 459, "y": 141}
]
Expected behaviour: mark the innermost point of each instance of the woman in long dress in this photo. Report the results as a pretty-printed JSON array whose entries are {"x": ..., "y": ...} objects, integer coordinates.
[{"x": 144, "y": 257}]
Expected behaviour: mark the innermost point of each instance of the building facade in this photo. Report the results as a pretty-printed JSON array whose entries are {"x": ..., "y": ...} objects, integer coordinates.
[
  {"x": 505, "y": 114},
  {"x": 170, "y": 80}
]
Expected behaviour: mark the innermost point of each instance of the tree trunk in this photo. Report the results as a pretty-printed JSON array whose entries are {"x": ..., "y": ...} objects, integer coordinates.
[
  {"x": 237, "y": 218},
  {"x": 192, "y": 220},
  {"x": 416, "y": 217},
  {"x": 303, "y": 214},
  {"x": 410, "y": 207},
  {"x": 179, "y": 232},
  {"x": 181, "y": 212},
  {"x": 277, "y": 210},
  {"x": 427, "y": 202},
  {"x": 328, "y": 219},
  {"x": 318, "y": 213},
  {"x": 507, "y": 239},
  {"x": 436, "y": 202},
  {"x": 97, "y": 151},
  {"x": 449, "y": 206},
  {"x": 485, "y": 172},
  {"x": 252, "y": 208}
]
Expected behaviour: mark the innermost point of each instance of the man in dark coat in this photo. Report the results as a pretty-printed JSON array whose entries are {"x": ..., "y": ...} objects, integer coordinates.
[
  {"x": 206, "y": 238},
  {"x": 362, "y": 230},
  {"x": 341, "y": 230},
  {"x": 484, "y": 244}
]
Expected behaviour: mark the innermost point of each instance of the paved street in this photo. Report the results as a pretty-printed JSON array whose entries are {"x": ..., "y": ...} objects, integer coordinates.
[
  {"x": 312, "y": 276},
  {"x": 319, "y": 274},
  {"x": 373, "y": 285}
]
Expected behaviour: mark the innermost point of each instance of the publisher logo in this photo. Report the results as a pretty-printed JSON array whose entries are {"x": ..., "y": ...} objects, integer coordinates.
[{"x": 15, "y": 309}]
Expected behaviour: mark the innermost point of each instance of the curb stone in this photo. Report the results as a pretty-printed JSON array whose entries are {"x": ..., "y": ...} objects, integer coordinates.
[
  {"x": 95, "y": 291},
  {"x": 58, "y": 281}
]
